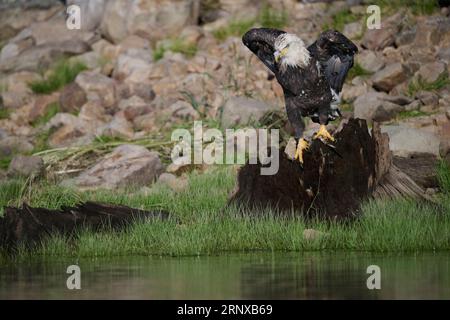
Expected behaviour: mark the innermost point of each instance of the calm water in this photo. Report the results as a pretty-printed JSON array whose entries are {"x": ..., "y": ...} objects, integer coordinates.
[{"x": 248, "y": 276}]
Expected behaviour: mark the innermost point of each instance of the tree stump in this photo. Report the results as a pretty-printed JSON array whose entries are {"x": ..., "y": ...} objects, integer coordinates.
[
  {"x": 28, "y": 226},
  {"x": 333, "y": 181}
]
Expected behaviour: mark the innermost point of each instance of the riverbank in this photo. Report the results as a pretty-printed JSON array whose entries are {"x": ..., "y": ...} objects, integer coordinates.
[{"x": 202, "y": 225}]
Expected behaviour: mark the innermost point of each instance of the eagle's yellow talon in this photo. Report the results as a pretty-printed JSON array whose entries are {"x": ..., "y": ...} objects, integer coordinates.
[
  {"x": 301, "y": 146},
  {"x": 323, "y": 133}
]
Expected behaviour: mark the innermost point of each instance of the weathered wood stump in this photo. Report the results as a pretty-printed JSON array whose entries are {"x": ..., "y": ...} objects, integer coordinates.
[
  {"x": 333, "y": 181},
  {"x": 28, "y": 226}
]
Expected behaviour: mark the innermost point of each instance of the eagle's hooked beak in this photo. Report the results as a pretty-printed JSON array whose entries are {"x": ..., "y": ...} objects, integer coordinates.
[{"x": 280, "y": 54}]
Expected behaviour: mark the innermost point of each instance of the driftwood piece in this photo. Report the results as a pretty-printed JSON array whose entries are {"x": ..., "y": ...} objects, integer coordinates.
[
  {"x": 333, "y": 182},
  {"x": 29, "y": 225}
]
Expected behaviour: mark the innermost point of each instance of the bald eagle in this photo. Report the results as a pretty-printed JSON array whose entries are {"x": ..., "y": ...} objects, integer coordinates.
[{"x": 311, "y": 77}]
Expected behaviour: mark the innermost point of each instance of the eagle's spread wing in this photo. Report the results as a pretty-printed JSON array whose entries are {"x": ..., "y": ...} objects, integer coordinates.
[
  {"x": 335, "y": 53},
  {"x": 261, "y": 42}
]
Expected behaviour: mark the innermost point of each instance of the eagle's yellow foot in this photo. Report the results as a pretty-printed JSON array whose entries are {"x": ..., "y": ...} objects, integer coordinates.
[
  {"x": 323, "y": 134},
  {"x": 301, "y": 146}
]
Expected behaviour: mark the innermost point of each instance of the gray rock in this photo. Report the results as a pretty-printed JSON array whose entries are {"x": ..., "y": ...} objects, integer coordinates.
[
  {"x": 415, "y": 105},
  {"x": 351, "y": 92},
  {"x": 42, "y": 4},
  {"x": 405, "y": 37},
  {"x": 390, "y": 76},
  {"x": 370, "y": 60},
  {"x": 72, "y": 98},
  {"x": 378, "y": 39},
  {"x": 98, "y": 86},
  {"x": 91, "y": 12},
  {"x": 14, "y": 144},
  {"x": 132, "y": 69},
  {"x": 134, "y": 107},
  {"x": 353, "y": 30},
  {"x": 119, "y": 127},
  {"x": 126, "y": 166},
  {"x": 183, "y": 110},
  {"x": 428, "y": 98},
  {"x": 430, "y": 72},
  {"x": 405, "y": 141},
  {"x": 374, "y": 106},
  {"x": 399, "y": 99},
  {"x": 24, "y": 166},
  {"x": 155, "y": 19},
  {"x": 241, "y": 110}
]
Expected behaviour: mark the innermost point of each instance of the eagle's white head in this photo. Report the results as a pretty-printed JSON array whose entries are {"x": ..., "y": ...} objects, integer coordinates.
[{"x": 291, "y": 51}]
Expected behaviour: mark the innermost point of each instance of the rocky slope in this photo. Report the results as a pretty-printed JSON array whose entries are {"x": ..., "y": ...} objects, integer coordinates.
[{"x": 141, "y": 68}]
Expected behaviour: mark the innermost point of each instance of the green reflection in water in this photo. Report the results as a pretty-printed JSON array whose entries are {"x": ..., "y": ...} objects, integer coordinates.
[{"x": 312, "y": 275}]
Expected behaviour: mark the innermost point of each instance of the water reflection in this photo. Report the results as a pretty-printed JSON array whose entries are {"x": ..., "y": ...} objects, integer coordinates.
[{"x": 316, "y": 275}]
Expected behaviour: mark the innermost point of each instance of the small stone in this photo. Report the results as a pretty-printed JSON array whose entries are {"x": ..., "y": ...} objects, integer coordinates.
[
  {"x": 24, "y": 166},
  {"x": 430, "y": 72},
  {"x": 72, "y": 98}
]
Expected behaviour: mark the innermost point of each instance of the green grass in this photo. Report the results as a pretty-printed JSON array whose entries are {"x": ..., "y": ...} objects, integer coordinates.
[
  {"x": 357, "y": 70},
  {"x": 419, "y": 84},
  {"x": 340, "y": 19},
  {"x": 202, "y": 225},
  {"x": 4, "y": 113},
  {"x": 411, "y": 114},
  {"x": 52, "y": 110},
  {"x": 176, "y": 45},
  {"x": 271, "y": 18},
  {"x": 417, "y": 7},
  {"x": 444, "y": 177},
  {"x": 5, "y": 161},
  {"x": 267, "y": 18},
  {"x": 62, "y": 73}
]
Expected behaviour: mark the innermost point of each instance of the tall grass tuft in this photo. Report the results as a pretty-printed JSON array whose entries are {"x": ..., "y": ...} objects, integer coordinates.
[{"x": 63, "y": 73}]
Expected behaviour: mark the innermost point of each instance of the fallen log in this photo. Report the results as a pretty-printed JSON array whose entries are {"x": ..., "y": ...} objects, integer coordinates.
[
  {"x": 28, "y": 226},
  {"x": 333, "y": 182}
]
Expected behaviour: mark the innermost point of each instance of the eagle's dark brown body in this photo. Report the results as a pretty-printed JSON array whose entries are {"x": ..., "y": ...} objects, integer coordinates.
[{"x": 311, "y": 90}]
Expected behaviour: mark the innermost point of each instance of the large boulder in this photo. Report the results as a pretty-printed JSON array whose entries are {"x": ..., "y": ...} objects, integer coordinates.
[
  {"x": 155, "y": 19},
  {"x": 390, "y": 76},
  {"x": 125, "y": 166},
  {"x": 375, "y": 106},
  {"x": 405, "y": 141},
  {"x": 241, "y": 111}
]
